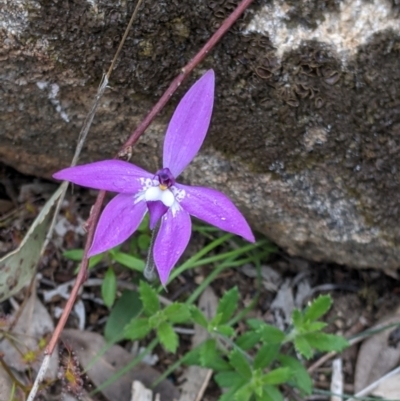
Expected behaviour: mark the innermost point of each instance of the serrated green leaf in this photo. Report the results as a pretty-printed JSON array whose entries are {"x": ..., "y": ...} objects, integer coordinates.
[
  {"x": 303, "y": 347},
  {"x": 198, "y": 316},
  {"x": 177, "y": 313},
  {"x": 265, "y": 356},
  {"x": 271, "y": 334},
  {"x": 125, "y": 309},
  {"x": 210, "y": 357},
  {"x": 240, "y": 364},
  {"x": 248, "y": 340},
  {"x": 109, "y": 287},
  {"x": 167, "y": 336},
  {"x": 318, "y": 308},
  {"x": 300, "y": 379},
  {"x": 244, "y": 393},
  {"x": 271, "y": 393},
  {"x": 149, "y": 297},
  {"x": 314, "y": 326},
  {"x": 227, "y": 379},
  {"x": 277, "y": 376},
  {"x": 225, "y": 330},
  {"x": 326, "y": 342},
  {"x": 128, "y": 261},
  {"x": 136, "y": 329},
  {"x": 297, "y": 319},
  {"x": 228, "y": 305}
]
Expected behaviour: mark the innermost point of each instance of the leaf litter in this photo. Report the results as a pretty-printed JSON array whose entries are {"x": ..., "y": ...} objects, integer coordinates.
[{"x": 88, "y": 346}]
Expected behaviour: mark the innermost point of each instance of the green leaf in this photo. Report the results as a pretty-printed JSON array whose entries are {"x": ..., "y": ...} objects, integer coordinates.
[
  {"x": 271, "y": 334},
  {"x": 225, "y": 330},
  {"x": 128, "y": 261},
  {"x": 303, "y": 347},
  {"x": 230, "y": 394},
  {"x": 277, "y": 376},
  {"x": 271, "y": 393},
  {"x": 95, "y": 260},
  {"x": 314, "y": 326},
  {"x": 240, "y": 364},
  {"x": 198, "y": 316},
  {"x": 248, "y": 340},
  {"x": 227, "y": 379},
  {"x": 177, "y": 313},
  {"x": 228, "y": 304},
  {"x": 136, "y": 329},
  {"x": 109, "y": 287},
  {"x": 297, "y": 319},
  {"x": 255, "y": 324},
  {"x": 192, "y": 357},
  {"x": 167, "y": 336},
  {"x": 126, "y": 308},
  {"x": 265, "y": 356},
  {"x": 300, "y": 379},
  {"x": 318, "y": 308},
  {"x": 326, "y": 342},
  {"x": 244, "y": 393},
  {"x": 149, "y": 297},
  {"x": 210, "y": 357},
  {"x": 74, "y": 254}
]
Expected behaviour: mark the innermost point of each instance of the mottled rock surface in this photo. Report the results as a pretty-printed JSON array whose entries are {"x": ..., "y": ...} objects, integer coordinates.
[{"x": 306, "y": 130}]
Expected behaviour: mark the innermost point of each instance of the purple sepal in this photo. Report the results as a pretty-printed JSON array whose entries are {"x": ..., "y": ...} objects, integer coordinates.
[
  {"x": 119, "y": 220},
  {"x": 189, "y": 124},
  {"x": 156, "y": 210},
  {"x": 215, "y": 208},
  {"x": 110, "y": 175},
  {"x": 171, "y": 241}
]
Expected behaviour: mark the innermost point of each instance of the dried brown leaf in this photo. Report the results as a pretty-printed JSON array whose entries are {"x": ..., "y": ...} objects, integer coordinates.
[
  {"x": 87, "y": 345},
  {"x": 376, "y": 357}
]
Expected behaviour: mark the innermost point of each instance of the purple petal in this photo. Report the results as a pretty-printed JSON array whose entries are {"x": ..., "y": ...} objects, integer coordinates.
[
  {"x": 110, "y": 175},
  {"x": 119, "y": 220},
  {"x": 189, "y": 125},
  {"x": 171, "y": 241},
  {"x": 156, "y": 211},
  {"x": 216, "y": 209}
]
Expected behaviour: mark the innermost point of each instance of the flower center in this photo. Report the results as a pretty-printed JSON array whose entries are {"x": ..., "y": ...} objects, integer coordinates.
[
  {"x": 161, "y": 192},
  {"x": 165, "y": 178}
]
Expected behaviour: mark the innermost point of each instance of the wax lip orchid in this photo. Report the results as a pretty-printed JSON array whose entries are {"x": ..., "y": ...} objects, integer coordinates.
[{"x": 159, "y": 193}]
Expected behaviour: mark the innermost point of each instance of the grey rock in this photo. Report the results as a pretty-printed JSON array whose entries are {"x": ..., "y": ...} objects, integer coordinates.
[{"x": 305, "y": 134}]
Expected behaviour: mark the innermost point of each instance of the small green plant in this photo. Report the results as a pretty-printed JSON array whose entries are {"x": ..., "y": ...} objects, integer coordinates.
[{"x": 252, "y": 366}]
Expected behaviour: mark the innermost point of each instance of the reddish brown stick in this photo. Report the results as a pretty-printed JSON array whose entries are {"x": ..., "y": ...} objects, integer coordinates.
[{"x": 94, "y": 215}]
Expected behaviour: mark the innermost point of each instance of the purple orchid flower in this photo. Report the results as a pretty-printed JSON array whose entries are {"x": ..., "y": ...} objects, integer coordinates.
[{"x": 165, "y": 199}]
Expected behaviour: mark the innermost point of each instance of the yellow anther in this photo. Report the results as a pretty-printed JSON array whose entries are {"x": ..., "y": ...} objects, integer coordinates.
[{"x": 163, "y": 187}]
